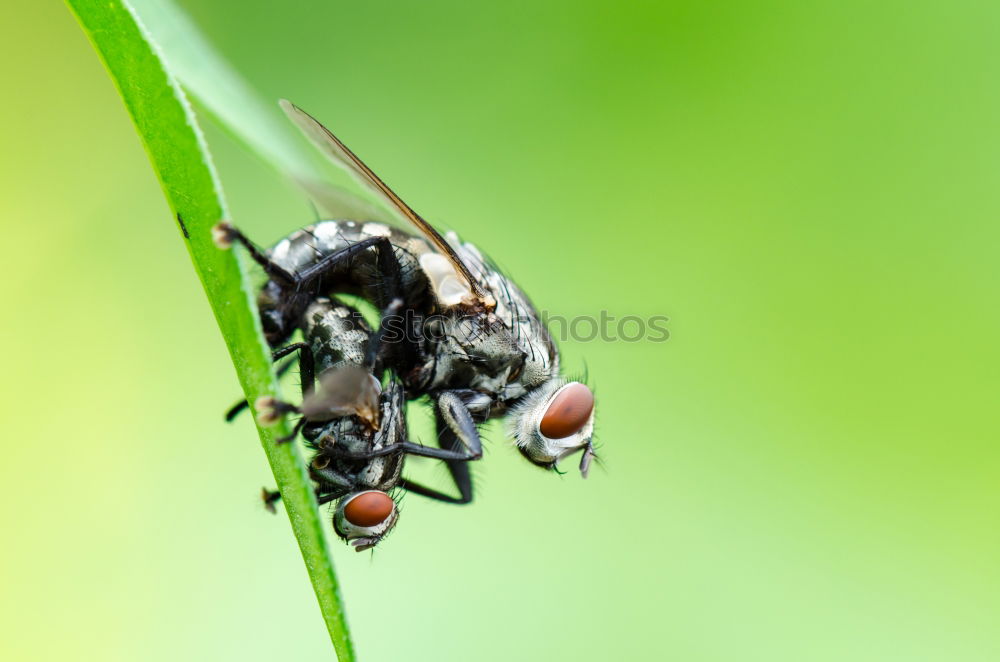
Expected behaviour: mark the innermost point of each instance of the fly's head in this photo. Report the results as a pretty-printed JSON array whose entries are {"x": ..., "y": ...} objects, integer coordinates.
[
  {"x": 554, "y": 421},
  {"x": 364, "y": 518}
]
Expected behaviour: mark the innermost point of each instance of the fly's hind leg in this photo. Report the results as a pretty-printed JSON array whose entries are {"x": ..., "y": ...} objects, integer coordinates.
[
  {"x": 379, "y": 348},
  {"x": 407, "y": 448},
  {"x": 307, "y": 363},
  {"x": 459, "y": 443},
  {"x": 307, "y": 372},
  {"x": 431, "y": 493},
  {"x": 225, "y": 234},
  {"x": 387, "y": 288}
]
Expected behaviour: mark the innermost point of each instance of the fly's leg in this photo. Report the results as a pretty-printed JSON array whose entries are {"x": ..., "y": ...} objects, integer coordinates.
[
  {"x": 270, "y": 409},
  {"x": 307, "y": 363},
  {"x": 454, "y": 458},
  {"x": 387, "y": 287},
  {"x": 386, "y": 259},
  {"x": 387, "y": 330},
  {"x": 456, "y": 430},
  {"x": 459, "y": 471},
  {"x": 456, "y": 449},
  {"x": 459, "y": 441},
  {"x": 240, "y": 406},
  {"x": 332, "y": 483},
  {"x": 431, "y": 493},
  {"x": 307, "y": 371},
  {"x": 388, "y": 292},
  {"x": 452, "y": 408},
  {"x": 407, "y": 448},
  {"x": 224, "y": 234},
  {"x": 294, "y": 433},
  {"x": 270, "y": 498},
  {"x": 454, "y": 416}
]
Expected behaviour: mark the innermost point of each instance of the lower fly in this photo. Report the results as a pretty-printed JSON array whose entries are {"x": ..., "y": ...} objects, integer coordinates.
[{"x": 355, "y": 427}]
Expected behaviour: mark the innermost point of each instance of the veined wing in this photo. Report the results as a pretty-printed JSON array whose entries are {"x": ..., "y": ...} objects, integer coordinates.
[
  {"x": 337, "y": 151},
  {"x": 334, "y": 202}
]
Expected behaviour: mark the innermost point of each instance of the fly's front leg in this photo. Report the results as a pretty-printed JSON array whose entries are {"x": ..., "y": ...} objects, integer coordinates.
[
  {"x": 431, "y": 493},
  {"x": 270, "y": 409},
  {"x": 407, "y": 448}
]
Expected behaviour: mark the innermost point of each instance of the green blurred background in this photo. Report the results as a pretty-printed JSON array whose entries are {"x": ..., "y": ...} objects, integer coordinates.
[{"x": 807, "y": 470}]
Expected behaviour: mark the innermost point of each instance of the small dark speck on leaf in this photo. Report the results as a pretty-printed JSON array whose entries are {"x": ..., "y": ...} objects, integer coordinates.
[{"x": 180, "y": 221}]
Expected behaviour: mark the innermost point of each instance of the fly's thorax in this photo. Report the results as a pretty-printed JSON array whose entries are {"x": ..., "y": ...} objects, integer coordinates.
[
  {"x": 466, "y": 352},
  {"x": 514, "y": 313},
  {"x": 475, "y": 353}
]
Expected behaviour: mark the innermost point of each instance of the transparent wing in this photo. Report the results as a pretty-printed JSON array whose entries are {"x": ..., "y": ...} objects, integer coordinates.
[
  {"x": 350, "y": 390},
  {"x": 333, "y": 202},
  {"x": 338, "y": 152}
]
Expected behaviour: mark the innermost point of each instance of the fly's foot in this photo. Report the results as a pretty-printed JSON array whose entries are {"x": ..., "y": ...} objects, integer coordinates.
[
  {"x": 223, "y": 234},
  {"x": 270, "y": 409},
  {"x": 270, "y": 497}
]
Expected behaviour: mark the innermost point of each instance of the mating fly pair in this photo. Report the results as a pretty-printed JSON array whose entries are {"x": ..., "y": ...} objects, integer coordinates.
[{"x": 452, "y": 327}]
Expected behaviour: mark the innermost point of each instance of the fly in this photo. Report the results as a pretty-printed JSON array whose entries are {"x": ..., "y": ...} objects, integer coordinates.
[
  {"x": 356, "y": 430},
  {"x": 466, "y": 336}
]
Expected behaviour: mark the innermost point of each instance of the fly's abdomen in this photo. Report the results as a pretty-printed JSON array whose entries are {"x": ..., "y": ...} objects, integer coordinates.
[
  {"x": 360, "y": 274},
  {"x": 337, "y": 333}
]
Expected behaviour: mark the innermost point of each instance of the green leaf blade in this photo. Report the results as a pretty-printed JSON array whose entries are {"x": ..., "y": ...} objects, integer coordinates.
[{"x": 181, "y": 160}]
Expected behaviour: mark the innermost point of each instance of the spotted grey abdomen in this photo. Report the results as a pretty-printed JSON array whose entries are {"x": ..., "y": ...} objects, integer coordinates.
[{"x": 337, "y": 333}]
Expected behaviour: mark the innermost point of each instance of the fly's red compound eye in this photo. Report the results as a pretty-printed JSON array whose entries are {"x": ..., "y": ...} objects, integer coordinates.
[
  {"x": 568, "y": 412},
  {"x": 368, "y": 509}
]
